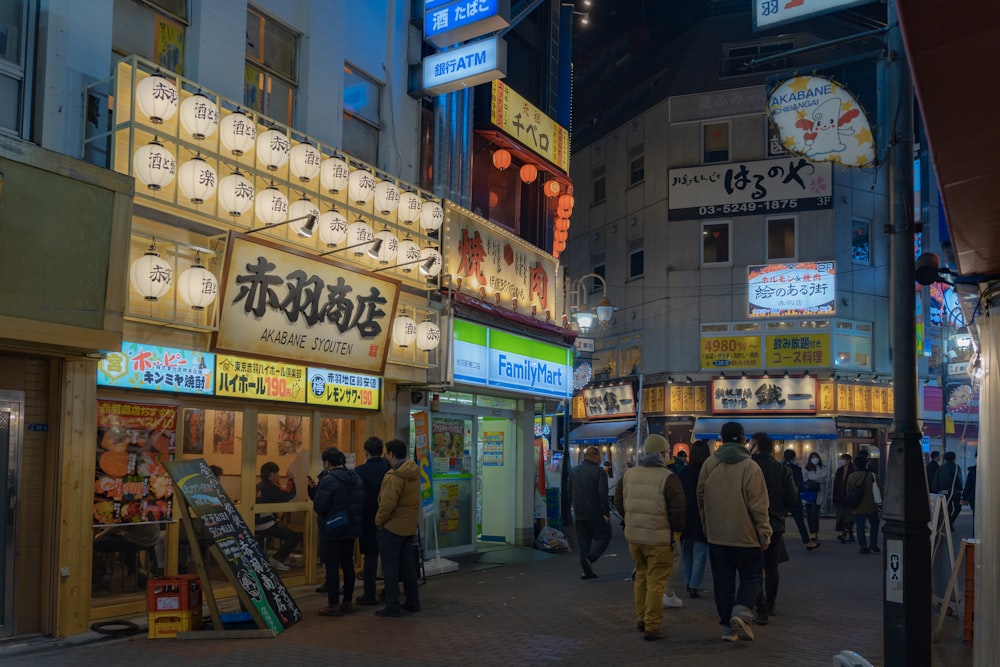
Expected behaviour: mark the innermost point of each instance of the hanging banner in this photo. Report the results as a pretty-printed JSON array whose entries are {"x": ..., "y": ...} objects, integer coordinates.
[
  {"x": 818, "y": 119},
  {"x": 134, "y": 442},
  {"x": 254, "y": 378},
  {"x": 781, "y": 290},
  {"x": 422, "y": 457},
  {"x": 158, "y": 368},
  {"x": 344, "y": 390}
]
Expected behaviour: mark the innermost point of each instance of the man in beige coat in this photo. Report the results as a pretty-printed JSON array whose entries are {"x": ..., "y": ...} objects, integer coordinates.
[
  {"x": 654, "y": 504},
  {"x": 396, "y": 523}
]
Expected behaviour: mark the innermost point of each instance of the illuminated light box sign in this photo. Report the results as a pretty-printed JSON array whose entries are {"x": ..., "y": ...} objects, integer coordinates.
[
  {"x": 343, "y": 390},
  {"x": 771, "y": 13},
  {"x": 763, "y": 395},
  {"x": 158, "y": 368},
  {"x": 782, "y": 290},
  {"x": 526, "y": 123},
  {"x": 258, "y": 379},
  {"x": 451, "y": 22},
  {"x": 613, "y": 401},
  {"x": 466, "y": 66},
  {"x": 723, "y": 352},
  {"x": 798, "y": 350},
  {"x": 492, "y": 358}
]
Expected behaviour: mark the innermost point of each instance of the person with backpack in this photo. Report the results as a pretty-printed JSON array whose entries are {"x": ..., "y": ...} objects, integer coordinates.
[{"x": 861, "y": 501}]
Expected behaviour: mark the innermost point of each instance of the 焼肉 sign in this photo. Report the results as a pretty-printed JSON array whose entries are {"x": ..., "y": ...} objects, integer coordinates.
[{"x": 780, "y": 290}]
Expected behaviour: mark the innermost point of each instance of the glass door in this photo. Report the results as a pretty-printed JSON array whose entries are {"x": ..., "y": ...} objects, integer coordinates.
[
  {"x": 496, "y": 446},
  {"x": 11, "y": 409},
  {"x": 452, "y": 522}
]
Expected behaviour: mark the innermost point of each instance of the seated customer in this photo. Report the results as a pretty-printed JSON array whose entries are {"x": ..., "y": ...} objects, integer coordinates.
[
  {"x": 129, "y": 540},
  {"x": 266, "y": 525}
]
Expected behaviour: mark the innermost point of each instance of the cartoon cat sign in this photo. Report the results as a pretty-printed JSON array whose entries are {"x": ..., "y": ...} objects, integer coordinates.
[{"x": 820, "y": 120}]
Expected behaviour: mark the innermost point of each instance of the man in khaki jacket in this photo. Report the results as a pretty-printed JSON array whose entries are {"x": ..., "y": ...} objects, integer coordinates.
[
  {"x": 654, "y": 504},
  {"x": 396, "y": 522},
  {"x": 733, "y": 504}
]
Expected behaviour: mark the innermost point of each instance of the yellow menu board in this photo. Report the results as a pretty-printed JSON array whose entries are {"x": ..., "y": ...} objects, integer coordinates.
[
  {"x": 264, "y": 380},
  {"x": 344, "y": 390},
  {"x": 726, "y": 352},
  {"x": 797, "y": 350}
]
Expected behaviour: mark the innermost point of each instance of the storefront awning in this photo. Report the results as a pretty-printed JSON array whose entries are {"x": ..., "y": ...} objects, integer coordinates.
[
  {"x": 779, "y": 428},
  {"x": 597, "y": 433}
]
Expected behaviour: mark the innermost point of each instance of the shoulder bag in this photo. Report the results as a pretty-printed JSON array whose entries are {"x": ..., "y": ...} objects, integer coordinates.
[{"x": 337, "y": 526}]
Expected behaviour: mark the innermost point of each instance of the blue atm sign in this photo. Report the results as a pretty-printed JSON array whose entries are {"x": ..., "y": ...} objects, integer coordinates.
[
  {"x": 448, "y": 22},
  {"x": 465, "y": 66}
]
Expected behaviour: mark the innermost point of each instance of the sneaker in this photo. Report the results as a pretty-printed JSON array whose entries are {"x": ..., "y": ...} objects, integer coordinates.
[
  {"x": 864, "y": 550},
  {"x": 875, "y": 550},
  {"x": 693, "y": 593},
  {"x": 729, "y": 635},
  {"x": 760, "y": 617},
  {"x": 812, "y": 545},
  {"x": 278, "y": 565},
  {"x": 672, "y": 601},
  {"x": 652, "y": 636},
  {"x": 740, "y": 622}
]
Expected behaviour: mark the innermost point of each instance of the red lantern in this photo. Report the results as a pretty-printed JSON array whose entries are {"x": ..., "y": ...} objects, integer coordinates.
[
  {"x": 563, "y": 212},
  {"x": 529, "y": 173},
  {"x": 567, "y": 201},
  {"x": 561, "y": 235},
  {"x": 501, "y": 159},
  {"x": 551, "y": 188},
  {"x": 562, "y": 223},
  {"x": 558, "y": 246},
  {"x": 494, "y": 199}
]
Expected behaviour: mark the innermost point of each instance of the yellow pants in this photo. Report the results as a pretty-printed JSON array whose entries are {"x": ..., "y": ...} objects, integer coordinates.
[{"x": 652, "y": 569}]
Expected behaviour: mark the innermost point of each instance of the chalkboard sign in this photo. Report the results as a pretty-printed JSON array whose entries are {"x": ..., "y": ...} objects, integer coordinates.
[{"x": 241, "y": 552}]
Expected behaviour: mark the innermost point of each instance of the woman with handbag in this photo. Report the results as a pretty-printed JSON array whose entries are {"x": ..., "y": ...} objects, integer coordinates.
[
  {"x": 867, "y": 507},
  {"x": 339, "y": 503},
  {"x": 814, "y": 477}
]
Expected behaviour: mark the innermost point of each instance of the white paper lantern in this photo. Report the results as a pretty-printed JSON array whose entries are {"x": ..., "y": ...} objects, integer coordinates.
[
  {"x": 428, "y": 336},
  {"x": 410, "y": 204},
  {"x": 154, "y": 165},
  {"x": 386, "y": 197},
  {"x": 407, "y": 255},
  {"x": 358, "y": 235},
  {"x": 273, "y": 149},
  {"x": 197, "y": 287},
  {"x": 235, "y": 194},
  {"x": 197, "y": 180},
  {"x": 156, "y": 97},
  {"x": 431, "y": 216},
  {"x": 150, "y": 275},
  {"x": 271, "y": 206},
  {"x": 199, "y": 116},
  {"x": 404, "y": 331},
  {"x": 237, "y": 133},
  {"x": 435, "y": 266},
  {"x": 361, "y": 186},
  {"x": 304, "y": 161},
  {"x": 334, "y": 175},
  {"x": 390, "y": 246},
  {"x": 302, "y": 208},
  {"x": 332, "y": 228}
]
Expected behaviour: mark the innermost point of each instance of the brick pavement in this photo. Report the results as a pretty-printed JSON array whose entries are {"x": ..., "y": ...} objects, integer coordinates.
[{"x": 529, "y": 607}]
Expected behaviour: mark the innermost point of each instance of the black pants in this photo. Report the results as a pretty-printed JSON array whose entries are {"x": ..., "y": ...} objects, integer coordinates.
[
  {"x": 774, "y": 555},
  {"x": 370, "y": 573},
  {"x": 289, "y": 539},
  {"x": 728, "y": 563},
  {"x": 338, "y": 556},
  {"x": 398, "y": 564},
  {"x": 594, "y": 536}
]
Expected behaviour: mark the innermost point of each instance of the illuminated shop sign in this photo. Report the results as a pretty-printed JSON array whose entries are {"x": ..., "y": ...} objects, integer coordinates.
[
  {"x": 764, "y": 395},
  {"x": 612, "y": 401},
  {"x": 158, "y": 368},
  {"x": 781, "y": 290},
  {"x": 465, "y": 66},
  {"x": 771, "y": 13},
  {"x": 450, "y": 22},
  {"x": 259, "y": 379},
  {"x": 343, "y": 390},
  {"x": 524, "y": 122}
]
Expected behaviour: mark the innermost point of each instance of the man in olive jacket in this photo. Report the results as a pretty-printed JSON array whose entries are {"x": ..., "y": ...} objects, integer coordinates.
[
  {"x": 654, "y": 504},
  {"x": 396, "y": 520},
  {"x": 733, "y": 504}
]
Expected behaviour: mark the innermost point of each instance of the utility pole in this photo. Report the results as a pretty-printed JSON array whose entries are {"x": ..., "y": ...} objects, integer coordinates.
[{"x": 907, "y": 589}]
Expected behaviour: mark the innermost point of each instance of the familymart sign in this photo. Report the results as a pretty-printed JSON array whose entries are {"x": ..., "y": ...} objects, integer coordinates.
[{"x": 493, "y": 358}]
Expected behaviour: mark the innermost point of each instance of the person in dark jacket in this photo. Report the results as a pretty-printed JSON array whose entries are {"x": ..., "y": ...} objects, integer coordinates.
[
  {"x": 867, "y": 510},
  {"x": 932, "y": 468},
  {"x": 266, "y": 524},
  {"x": 340, "y": 489},
  {"x": 694, "y": 544},
  {"x": 948, "y": 481},
  {"x": 588, "y": 494},
  {"x": 796, "y": 509},
  {"x": 312, "y": 486},
  {"x": 371, "y": 472},
  {"x": 969, "y": 493},
  {"x": 781, "y": 495},
  {"x": 845, "y": 519}
]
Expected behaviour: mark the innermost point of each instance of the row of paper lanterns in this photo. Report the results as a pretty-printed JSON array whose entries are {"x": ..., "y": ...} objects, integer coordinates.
[{"x": 405, "y": 332}]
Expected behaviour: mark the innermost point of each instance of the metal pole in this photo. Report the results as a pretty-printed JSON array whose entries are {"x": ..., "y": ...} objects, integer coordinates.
[
  {"x": 907, "y": 590},
  {"x": 945, "y": 336}
]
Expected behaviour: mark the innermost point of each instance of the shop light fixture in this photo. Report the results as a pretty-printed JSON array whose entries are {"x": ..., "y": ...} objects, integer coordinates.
[
  {"x": 670, "y": 379},
  {"x": 305, "y": 230},
  {"x": 785, "y": 375},
  {"x": 688, "y": 379},
  {"x": 426, "y": 266}
]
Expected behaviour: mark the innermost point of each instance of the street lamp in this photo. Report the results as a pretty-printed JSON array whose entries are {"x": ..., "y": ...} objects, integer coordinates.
[{"x": 580, "y": 311}]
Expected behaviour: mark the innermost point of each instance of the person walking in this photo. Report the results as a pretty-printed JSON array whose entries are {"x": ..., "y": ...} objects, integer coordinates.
[
  {"x": 339, "y": 490},
  {"x": 371, "y": 472},
  {"x": 694, "y": 545},
  {"x": 781, "y": 494},
  {"x": 948, "y": 481},
  {"x": 588, "y": 494},
  {"x": 796, "y": 509},
  {"x": 654, "y": 505},
  {"x": 670, "y": 597},
  {"x": 932, "y": 468},
  {"x": 266, "y": 524},
  {"x": 814, "y": 477},
  {"x": 733, "y": 503},
  {"x": 845, "y": 518},
  {"x": 867, "y": 510},
  {"x": 969, "y": 492},
  {"x": 396, "y": 520}
]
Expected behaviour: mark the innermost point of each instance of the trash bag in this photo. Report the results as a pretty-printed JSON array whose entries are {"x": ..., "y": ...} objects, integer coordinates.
[{"x": 550, "y": 539}]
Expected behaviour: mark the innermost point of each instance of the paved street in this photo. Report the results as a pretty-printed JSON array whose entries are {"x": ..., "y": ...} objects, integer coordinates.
[{"x": 520, "y": 606}]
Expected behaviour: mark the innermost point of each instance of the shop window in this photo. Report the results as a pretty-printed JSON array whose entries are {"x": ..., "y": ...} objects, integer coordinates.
[
  {"x": 16, "y": 30},
  {"x": 636, "y": 166},
  {"x": 155, "y": 35},
  {"x": 715, "y": 142},
  {"x": 599, "y": 267},
  {"x": 716, "y": 243},
  {"x": 600, "y": 185},
  {"x": 635, "y": 259},
  {"x": 861, "y": 242},
  {"x": 362, "y": 114},
  {"x": 271, "y": 67},
  {"x": 781, "y": 238}
]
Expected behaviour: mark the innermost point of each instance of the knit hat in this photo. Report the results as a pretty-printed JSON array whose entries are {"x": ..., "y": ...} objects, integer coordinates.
[{"x": 656, "y": 443}]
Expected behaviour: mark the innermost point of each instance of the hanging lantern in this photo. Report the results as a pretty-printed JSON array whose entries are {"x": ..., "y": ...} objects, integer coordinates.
[
  {"x": 197, "y": 286},
  {"x": 150, "y": 275},
  {"x": 428, "y": 336},
  {"x": 304, "y": 161},
  {"x": 237, "y": 133},
  {"x": 332, "y": 228},
  {"x": 409, "y": 208},
  {"x": 156, "y": 97},
  {"x": 273, "y": 149},
  {"x": 551, "y": 188},
  {"x": 561, "y": 235},
  {"x": 386, "y": 197},
  {"x": 333, "y": 175},
  {"x": 562, "y": 224},
  {"x": 359, "y": 235},
  {"x": 430, "y": 268},
  {"x": 361, "y": 186},
  {"x": 558, "y": 246},
  {"x": 567, "y": 201},
  {"x": 431, "y": 216},
  {"x": 404, "y": 330},
  {"x": 563, "y": 212},
  {"x": 199, "y": 116},
  {"x": 408, "y": 252},
  {"x": 235, "y": 194},
  {"x": 389, "y": 247},
  {"x": 501, "y": 158},
  {"x": 154, "y": 165},
  {"x": 197, "y": 180},
  {"x": 301, "y": 209},
  {"x": 494, "y": 199},
  {"x": 271, "y": 206},
  {"x": 529, "y": 173}
]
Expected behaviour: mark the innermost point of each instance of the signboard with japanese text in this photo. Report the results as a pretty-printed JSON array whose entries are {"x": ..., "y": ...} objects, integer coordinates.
[
  {"x": 454, "y": 21},
  {"x": 465, "y": 66},
  {"x": 826, "y": 398},
  {"x": 343, "y": 390},
  {"x": 422, "y": 457},
  {"x": 529, "y": 126},
  {"x": 771, "y": 13},
  {"x": 797, "y": 350},
  {"x": 687, "y": 398},
  {"x": 490, "y": 263},
  {"x": 798, "y": 289},
  {"x": 282, "y": 304},
  {"x": 865, "y": 399},
  {"x": 819, "y": 120},
  {"x": 786, "y": 185},
  {"x": 763, "y": 395},
  {"x": 259, "y": 379},
  {"x": 653, "y": 400},
  {"x": 726, "y": 352},
  {"x": 158, "y": 368},
  {"x": 134, "y": 441},
  {"x": 493, "y": 448},
  {"x": 612, "y": 401}
]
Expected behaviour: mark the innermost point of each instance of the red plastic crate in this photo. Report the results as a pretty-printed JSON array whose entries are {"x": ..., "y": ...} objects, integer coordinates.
[{"x": 181, "y": 592}]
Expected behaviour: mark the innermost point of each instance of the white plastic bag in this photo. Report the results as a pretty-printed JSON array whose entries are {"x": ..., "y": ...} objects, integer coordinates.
[{"x": 550, "y": 539}]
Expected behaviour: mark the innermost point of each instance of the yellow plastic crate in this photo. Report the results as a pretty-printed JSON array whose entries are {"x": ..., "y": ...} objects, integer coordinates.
[{"x": 166, "y": 624}]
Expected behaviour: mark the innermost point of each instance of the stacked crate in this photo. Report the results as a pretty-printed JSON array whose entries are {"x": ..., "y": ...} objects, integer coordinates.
[{"x": 173, "y": 605}]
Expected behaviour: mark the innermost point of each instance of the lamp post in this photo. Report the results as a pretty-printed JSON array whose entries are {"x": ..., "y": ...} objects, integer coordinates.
[{"x": 578, "y": 308}]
